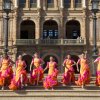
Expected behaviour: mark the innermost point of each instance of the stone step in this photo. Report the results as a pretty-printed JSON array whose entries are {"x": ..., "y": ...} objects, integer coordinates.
[
  {"x": 71, "y": 94},
  {"x": 61, "y": 87},
  {"x": 68, "y": 87}
]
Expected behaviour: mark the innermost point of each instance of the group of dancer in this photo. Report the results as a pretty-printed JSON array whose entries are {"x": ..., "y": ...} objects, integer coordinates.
[{"x": 18, "y": 79}]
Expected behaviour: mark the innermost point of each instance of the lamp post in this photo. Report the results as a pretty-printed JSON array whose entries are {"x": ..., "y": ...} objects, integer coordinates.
[
  {"x": 94, "y": 10},
  {"x": 7, "y": 10}
]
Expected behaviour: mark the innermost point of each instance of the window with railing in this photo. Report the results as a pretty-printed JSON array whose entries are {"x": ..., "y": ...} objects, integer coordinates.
[
  {"x": 67, "y": 3},
  {"x": 33, "y": 3},
  {"x": 22, "y": 3},
  {"x": 50, "y": 3},
  {"x": 78, "y": 3}
]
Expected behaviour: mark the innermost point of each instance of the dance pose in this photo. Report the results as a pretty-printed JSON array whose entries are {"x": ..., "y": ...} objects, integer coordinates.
[
  {"x": 20, "y": 77},
  {"x": 51, "y": 79},
  {"x": 6, "y": 72},
  {"x": 37, "y": 73},
  {"x": 84, "y": 77},
  {"x": 68, "y": 75},
  {"x": 98, "y": 71}
]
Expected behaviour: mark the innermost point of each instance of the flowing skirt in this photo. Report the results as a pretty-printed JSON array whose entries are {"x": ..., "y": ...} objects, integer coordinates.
[
  {"x": 16, "y": 81},
  {"x": 84, "y": 78},
  {"x": 51, "y": 80},
  {"x": 36, "y": 75},
  {"x": 68, "y": 77},
  {"x": 6, "y": 76},
  {"x": 97, "y": 78}
]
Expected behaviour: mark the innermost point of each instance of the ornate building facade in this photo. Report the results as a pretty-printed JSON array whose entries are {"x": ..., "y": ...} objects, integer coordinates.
[{"x": 50, "y": 27}]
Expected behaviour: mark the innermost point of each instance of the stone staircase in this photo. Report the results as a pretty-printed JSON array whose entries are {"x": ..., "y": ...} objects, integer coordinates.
[{"x": 69, "y": 92}]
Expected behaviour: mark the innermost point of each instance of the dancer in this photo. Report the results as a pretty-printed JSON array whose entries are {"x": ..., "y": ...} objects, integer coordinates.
[
  {"x": 68, "y": 75},
  {"x": 84, "y": 77},
  {"x": 6, "y": 72},
  {"x": 98, "y": 71},
  {"x": 51, "y": 79},
  {"x": 37, "y": 73},
  {"x": 20, "y": 77}
]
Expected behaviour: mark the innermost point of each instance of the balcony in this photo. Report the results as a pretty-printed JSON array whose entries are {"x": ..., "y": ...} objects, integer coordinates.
[{"x": 51, "y": 42}]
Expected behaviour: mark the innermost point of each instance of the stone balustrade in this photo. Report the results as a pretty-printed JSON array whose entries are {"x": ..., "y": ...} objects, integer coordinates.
[{"x": 50, "y": 42}]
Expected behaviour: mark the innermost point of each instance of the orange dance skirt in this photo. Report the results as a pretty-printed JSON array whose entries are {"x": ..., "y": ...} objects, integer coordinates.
[
  {"x": 51, "y": 80},
  {"x": 37, "y": 74},
  {"x": 6, "y": 76},
  {"x": 16, "y": 81}
]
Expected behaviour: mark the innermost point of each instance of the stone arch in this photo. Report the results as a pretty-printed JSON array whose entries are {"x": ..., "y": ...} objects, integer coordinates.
[
  {"x": 54, "y": 19},
  {"x": 73, "y": 29},
  {"x": 27, "y": 29},
  {"x": 33, "y": 19}
]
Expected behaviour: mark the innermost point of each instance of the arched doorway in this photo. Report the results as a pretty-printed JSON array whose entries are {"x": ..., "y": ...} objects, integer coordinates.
[
  {"x": 50, "y": 29},
  {"x": 27, "y": 30},
  {"x": 72, "y": 29},
  {"x": 46, "y": 59},
  {"x": 27, "y": 59},
  {"x": 75, "y": 58}
]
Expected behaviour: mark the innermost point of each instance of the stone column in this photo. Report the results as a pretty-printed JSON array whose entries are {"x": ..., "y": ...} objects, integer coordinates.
[
  {"x": 15, "y": 28},
  {"x": 44, "y": 4},
  {"x": 72, "y": 4},
  {"x": 98, "y": 29},
  {"x": 0, "y": 28},
  {"x": 83, "y": 27},
  {"x": 16, "y": 3},
  {"x": 61, "y": 28},
  {"x": 38, "y": 29},
  {"x": 55, "y": 4},
  {"x": 27, "y": 3},
  {"x": 62, "y": 4},
  {"x": 84, "y": 4},
  {"x": 0, "y": 31},
  {"x": 90, "y": 30},
  {"x": 39, "y": 4},
  {"x": 10, "y": 28},
  {"x": 62, "y": 23}
]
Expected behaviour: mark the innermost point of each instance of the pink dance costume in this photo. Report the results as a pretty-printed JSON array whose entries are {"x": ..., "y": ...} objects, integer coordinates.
[
  {"x": 98, "y": 72},
  {"x": 6, "y": 72},
  {"x": 37, "y": 73},
  {"x": 51, "y": 79},
  {"x": 68, "y": 76},
  {"x": 84, "y": 77},
  {"x": 20, "y": 70}
]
